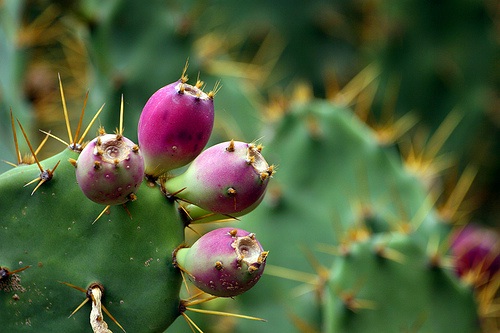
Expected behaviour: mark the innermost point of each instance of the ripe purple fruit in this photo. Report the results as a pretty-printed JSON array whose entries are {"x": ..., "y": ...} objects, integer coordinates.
[
  {"x": 227, "y": 178},
  {"x": 476, "y": 251},
  {"x": 224, "y": 262},
  {"x": 174, "y": 126},
  {"x": 110, "y": 169}
]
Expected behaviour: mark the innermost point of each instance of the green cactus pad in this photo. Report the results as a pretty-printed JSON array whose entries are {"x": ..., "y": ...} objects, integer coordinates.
[
  {"x": 368, "y": 292},
  {"x": 128, "y": 251},
  {"x": 337, "y": 185}
]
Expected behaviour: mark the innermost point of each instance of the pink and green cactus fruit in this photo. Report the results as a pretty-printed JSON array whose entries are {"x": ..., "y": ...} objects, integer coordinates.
[
  {"x": 224, "y": 262},
  {"x": 226, "y": 178},
  {"x": 110, "y": 169},
  {"x": 174, "y": 126},
  {"x": 476, "y": 252}
]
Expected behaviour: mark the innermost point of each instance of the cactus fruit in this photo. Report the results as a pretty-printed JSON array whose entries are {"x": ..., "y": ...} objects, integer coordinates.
[
  {"x": 110, "y": 169},
  {"x": 174, "y": 126},
  {"x": 226, "y": 178},
  {"x": 224, "y": 262},
  {"x": 476, "y": 252}
]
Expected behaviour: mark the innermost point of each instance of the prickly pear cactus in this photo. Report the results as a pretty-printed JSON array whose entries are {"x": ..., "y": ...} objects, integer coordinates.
[
  {"x": 388, "y": 283},
  {"x": 357, "y": 245},
  {"x": 51, "y": 231},
  {"x": 85, "y": 231}
]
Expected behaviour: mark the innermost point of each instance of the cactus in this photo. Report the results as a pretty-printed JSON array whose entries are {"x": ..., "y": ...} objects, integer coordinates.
[
  {"x": 79, "y": 255},
  {"x": 123, "y": 264},
  {"x": 341, "y": 189},
  {"x": 383, "y": 250},
  {"x": 388, "y": 283},
  {"x": 367, "y": 245}
]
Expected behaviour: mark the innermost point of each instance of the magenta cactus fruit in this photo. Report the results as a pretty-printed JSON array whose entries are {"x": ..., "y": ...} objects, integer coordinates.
[
  {"x": 110, "y": 169},
  {"x": 227, "y": 178},
  {"x": 476, "y": 252},
  {"x": 224, "y": 262},
  {"x": 174, "y": 126}
]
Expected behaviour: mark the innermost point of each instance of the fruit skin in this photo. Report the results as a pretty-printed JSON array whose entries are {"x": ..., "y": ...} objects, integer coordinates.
[
  {"x": 174, "y": 126},
  {"x": 224, "y": 262},
  {"x": 226, "y": 178},
  {"x": 476, "y": 252},
  {"x": 110, "y": 169}
]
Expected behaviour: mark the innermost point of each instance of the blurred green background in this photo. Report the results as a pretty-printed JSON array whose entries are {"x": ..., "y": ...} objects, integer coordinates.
[{"x": 412, "y": 60}]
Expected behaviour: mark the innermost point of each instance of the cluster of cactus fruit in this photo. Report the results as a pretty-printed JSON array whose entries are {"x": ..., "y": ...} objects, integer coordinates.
[
  {"x": 70, "y": 231},
  {"x": 387, "y": 263}
]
